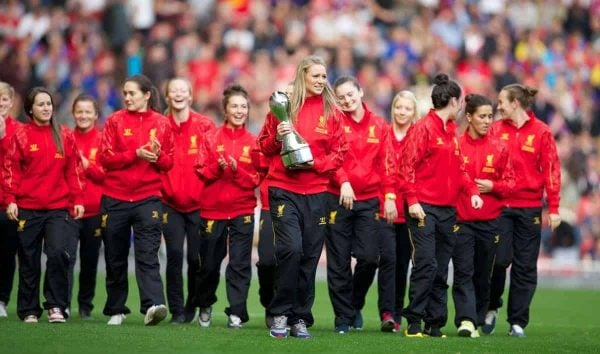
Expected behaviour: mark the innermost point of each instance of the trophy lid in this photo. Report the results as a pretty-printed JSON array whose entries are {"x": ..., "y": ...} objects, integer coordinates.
[{"x": 279, "y": 103}]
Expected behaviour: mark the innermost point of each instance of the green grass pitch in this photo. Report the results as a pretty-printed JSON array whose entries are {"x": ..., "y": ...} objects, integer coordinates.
[{"x": 561, "y": 321}]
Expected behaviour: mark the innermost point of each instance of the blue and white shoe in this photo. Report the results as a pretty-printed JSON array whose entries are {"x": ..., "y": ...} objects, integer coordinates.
[
  {"x": 489, "y": 325},
  {"x": 279, "y": 327},
  {"x": 342, "y": 329},
  {"x": 300, "y": 331}
]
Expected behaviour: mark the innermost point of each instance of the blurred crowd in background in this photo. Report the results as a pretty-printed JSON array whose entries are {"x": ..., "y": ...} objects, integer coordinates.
[{"x": 73, "y": 46}]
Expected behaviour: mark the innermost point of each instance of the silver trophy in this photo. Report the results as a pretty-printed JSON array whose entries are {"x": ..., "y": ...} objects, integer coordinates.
[{"x": 295, "y": 152}]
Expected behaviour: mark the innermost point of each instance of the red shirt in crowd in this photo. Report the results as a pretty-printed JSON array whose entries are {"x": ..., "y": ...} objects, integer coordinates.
[
  {"x": 325, "y": 136},
  {"x": 227, "y": 193},
  {"x": 535, "y": 161},
  {"x": 432, "y": 169},
  {"x": 128, "y": 177},
  {"x": 36, "y": 175},
  {"x": 181, "y": 188},
  {"x": 369, "y": 164},
  {"x": 88, "y": 144},
  {"x": 485, "y": 158}
]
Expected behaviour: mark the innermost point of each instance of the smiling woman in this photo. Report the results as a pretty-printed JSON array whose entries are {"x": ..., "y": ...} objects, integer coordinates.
[
  {"x": 226, "y": 166},
  {"x": 44, "y": 212},
  {"x": 298, "y": 197},
  {"x": 368, "y": 168},
  {"x": 486, "y": 162},
  {"x": 8, "y": 228},
  {"x": 137, "y": 148},
  {"x": 88, "y": 138},
  {"x": 182, "y": 196}
]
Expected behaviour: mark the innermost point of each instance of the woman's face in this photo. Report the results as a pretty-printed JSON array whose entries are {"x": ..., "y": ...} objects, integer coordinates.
[
  {"x": 85, "y": 115},
  {"x": 6, "y": 103},
  {"x": 42, "y": 109},
  {"x": 349, "y": 96},
  {"x": 179, "y": 96},
  {"x": 135, "y": 100},
  {"x": 403, "y": 111},
  {"x": 315, "y": 80},
  {"x": 481, "y": 120},
  {"x": 505, "y": 107},
  {"x": 236, "y": 111}
]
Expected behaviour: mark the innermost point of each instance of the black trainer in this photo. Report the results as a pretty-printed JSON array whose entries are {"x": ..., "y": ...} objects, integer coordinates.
[
  {"x": 432, "y": 331},
  {"x": 413, "y": 330},
  {"x": 178, "y": 319}
]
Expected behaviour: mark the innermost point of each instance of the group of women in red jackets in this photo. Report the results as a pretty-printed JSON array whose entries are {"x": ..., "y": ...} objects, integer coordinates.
[{"x": 384, "y": 194}]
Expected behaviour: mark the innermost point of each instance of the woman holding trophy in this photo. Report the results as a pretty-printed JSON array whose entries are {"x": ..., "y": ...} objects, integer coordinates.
[{"x": 306, "y": 131}]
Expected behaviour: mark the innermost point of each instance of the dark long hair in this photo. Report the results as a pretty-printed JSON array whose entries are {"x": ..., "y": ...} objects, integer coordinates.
[
  {"x": 146, "y": 86},
  {"x": 55, "y": 126},
  {"x": 443, "y": 91}
]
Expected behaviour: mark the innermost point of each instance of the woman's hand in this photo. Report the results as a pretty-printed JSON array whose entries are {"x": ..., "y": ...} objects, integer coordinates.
[
  {"x": 484, "y": 185},
  {"x": 84, "y": 161},
  {"x": 222, "y": 162},
  {"x": 554, "y": 220},
  {"x": 143, "y": 153},
  {"x": 416, "y": 211},
  {"x": 283, "y": 128},
  {"x": 390, "y": 213},
  {"x": 78, "y": 211},
  {"x": 12, "y": 211},
  {"x": 476, "y": 202},
  {"x": 347, "y": 196},
  {"x": 232, "y": 163}
]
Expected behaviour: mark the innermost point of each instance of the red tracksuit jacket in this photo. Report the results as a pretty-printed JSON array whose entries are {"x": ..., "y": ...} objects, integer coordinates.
[
  {"x": 325, "y": 136},
  {"x": 88, "y": 144},
  {"x": 535, "y": 161},
  {"x": 181, "y": 188},
  {"x": 129, "y": 178},
  {"x": 262, "y": 163},
  {"x": 37, "y": 176},
  {"x": 11, "y": 126},
  {"x": 398, "y": 152},
  {"x": 228, "y": 194},
  {"x": 369, "y": 164},
  {"x": 432, "y": 169},
  {"x": 485, "y": 158}
]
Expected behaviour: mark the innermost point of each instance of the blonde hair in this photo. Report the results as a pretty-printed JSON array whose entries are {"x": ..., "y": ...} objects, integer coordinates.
[
  {"x": 6, "y": 89},
  {"x": 299, "y": 91},
  {"x": 408, "y": 95}
]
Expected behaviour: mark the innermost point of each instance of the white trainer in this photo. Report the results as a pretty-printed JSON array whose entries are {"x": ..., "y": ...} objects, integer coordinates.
[
  {"x": 489, "y": 325},
  {"x": 205, "y": 317},
  {"x": 516, "y": 331},
  {"x": 155, "y": 314},
  {"x": 234, "y": 322},
  {"x": 116, "y": 320},
  {"x": 55, "y": 315},
  {"x": 3, "y": 312}
]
